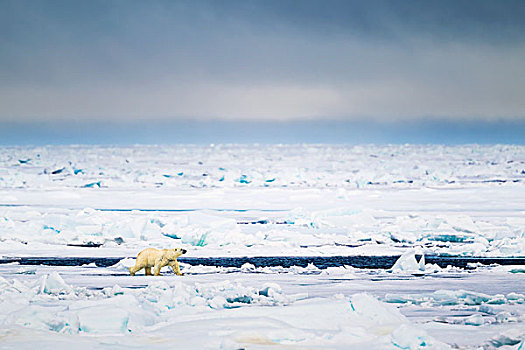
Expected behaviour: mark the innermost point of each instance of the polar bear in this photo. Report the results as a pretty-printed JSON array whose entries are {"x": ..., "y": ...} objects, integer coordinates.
[{"x": 157, "y": 258}]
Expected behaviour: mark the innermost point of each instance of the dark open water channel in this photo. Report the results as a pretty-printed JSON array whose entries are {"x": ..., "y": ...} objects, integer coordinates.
[{"x": 322, "y": 262}]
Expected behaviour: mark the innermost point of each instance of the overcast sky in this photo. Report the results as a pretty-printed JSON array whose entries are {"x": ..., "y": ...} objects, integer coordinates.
[{"x": 262, "y": 60}]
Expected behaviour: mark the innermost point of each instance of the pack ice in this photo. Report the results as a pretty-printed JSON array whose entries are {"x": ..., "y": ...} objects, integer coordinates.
[
  {"x": 229, "y": 315},
  {"x": 265, "y": 199}
]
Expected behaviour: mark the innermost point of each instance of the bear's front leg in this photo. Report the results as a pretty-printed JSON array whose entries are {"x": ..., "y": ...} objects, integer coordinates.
[
  {"x": 176, "y": 268},
  {"x": 147, "y": 271}
]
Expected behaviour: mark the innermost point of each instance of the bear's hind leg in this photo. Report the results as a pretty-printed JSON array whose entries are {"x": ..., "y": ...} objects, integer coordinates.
[
  {"x": 133, "y": 270},
  {"x": 148, "y": 271}
]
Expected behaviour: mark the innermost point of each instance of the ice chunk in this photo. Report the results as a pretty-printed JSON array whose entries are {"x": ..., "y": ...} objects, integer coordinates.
[
  {"x": 349, "y": 218},
  {"x": 310, "y": 269},
  {"x": 520, "y": 298},
  {"x": 365, "y": 308},
  {"x": 160, "y": 293},
  {"x": 379, "y": 318},
  {"x": 217, "y": 302},
  {"x": 247, "y": 267},
  {"x": 117, "y": 290},
  {"x": 202, "y": 229},
  {"x": 462, "y": 223},
  {"x": 402, "y": 236},
  {"x": 408, "y": 337},
  {"x": 150, "y": 231},
  {"x": 455, "y": 297},
  {"x": 54, "y": 284},
  {"x": 103, "y": 319},
  {"x": 445, "y": 297},
  {"x": 270, "y": 290},
  {"x": 346, "y": 271},
  {"x": 474, "y": 320},
  {"x": 49, "y": 318},
  {"x": 511, "y": 337},
  {"x": 407, "y": 263},
  {"x": 120, "y": 313}
]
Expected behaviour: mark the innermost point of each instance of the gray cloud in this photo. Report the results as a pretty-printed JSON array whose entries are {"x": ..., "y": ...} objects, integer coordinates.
[{"x": 276, "y": 60}]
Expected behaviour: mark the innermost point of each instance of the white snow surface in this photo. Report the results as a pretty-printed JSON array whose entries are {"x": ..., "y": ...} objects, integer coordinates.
[
  {"x": 228, "y": 314},
  {"x": 263, "y": 200}
]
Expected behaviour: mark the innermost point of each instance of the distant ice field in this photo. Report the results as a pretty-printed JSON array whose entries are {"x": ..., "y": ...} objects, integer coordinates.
[{"x": 260, "y": 200}]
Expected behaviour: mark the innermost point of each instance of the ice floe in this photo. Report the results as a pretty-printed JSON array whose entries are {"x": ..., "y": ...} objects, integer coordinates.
[{"x": 64, "y": 309}]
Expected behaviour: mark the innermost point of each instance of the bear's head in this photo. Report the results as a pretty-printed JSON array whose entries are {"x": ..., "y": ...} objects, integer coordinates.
[{"x": 179, "y": 251}]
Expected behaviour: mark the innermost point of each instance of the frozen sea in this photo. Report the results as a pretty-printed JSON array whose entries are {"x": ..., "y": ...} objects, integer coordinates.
[{"x": 279, "y": 201}]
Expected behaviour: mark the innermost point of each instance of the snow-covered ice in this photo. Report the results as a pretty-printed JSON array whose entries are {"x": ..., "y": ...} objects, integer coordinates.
[
  {"x": 333, "y": 308},
  {"x": 263, "y": 200},
  {"x": 305, "y": 199}
]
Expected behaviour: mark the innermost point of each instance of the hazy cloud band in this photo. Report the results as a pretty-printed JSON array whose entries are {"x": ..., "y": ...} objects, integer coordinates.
[{"x": 262, "y": 60}]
